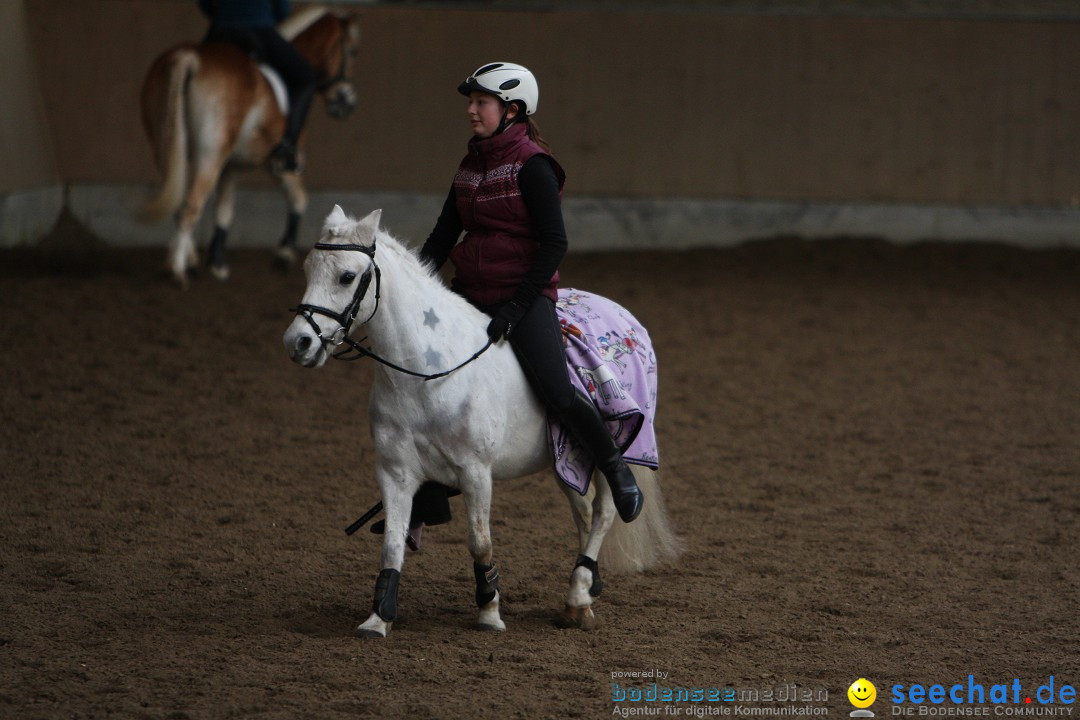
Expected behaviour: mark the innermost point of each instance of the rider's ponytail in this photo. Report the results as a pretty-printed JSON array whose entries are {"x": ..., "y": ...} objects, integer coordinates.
[{"x": 534, "y": 133}]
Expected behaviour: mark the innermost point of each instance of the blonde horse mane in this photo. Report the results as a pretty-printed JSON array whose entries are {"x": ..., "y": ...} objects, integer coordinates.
[{"x": 300, "y": 21}]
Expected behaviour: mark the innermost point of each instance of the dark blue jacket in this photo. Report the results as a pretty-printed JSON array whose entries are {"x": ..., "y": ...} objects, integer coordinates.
[{"x": 245, "y": 13}]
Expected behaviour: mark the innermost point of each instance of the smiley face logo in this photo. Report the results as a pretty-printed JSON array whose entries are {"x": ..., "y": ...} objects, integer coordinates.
[{"x": 862, "y": 693}]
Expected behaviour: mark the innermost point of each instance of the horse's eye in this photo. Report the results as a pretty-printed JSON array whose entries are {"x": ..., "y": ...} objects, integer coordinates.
[{"x": 347, "y": 278}]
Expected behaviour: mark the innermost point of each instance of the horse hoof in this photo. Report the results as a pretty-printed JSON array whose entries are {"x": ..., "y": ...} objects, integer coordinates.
[
  {"x": 221, "y": 272},
  {"x": 580, "y": 618},
  {"x": 364, "y": 632},
  {"x": 498, "y": 626},
  {"x": 373, "y": 627}
]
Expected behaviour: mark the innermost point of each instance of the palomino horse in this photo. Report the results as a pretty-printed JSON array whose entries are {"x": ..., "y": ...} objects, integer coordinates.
[
  {"x": 209, "y": 112},
  {"x": 474, "y": 420}
]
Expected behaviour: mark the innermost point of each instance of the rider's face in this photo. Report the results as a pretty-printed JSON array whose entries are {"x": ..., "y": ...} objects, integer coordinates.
[{"x": 485, "y": 111}]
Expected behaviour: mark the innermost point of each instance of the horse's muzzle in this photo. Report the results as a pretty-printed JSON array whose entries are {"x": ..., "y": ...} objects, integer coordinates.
[
  {"x": 340, "y": 100},
  {"x": 303, "y": 346}
]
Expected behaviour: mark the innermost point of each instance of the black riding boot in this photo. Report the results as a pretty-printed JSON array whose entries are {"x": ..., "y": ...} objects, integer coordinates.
[
  {"x": 585, "y": 424},
  {"x": 287, "y": 150}
]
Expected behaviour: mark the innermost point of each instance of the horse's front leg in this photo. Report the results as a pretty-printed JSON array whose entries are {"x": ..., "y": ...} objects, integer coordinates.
[
  {"x": 285, "y": 256},
  {"x": 477, "y": 493},
  {"x": 397, "y": 492}
]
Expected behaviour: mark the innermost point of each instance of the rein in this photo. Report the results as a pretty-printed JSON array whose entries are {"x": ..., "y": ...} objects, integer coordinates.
[{"x": 346, "y": 317}]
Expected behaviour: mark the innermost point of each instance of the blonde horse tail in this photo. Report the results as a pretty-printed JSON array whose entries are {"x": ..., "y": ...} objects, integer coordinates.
[
  {"x": 171, "y": 137},
  {"x": 646, "y": 542}
]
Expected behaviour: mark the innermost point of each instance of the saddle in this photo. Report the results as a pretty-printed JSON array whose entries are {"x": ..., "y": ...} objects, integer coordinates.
[{"x": 281, "y": 93}]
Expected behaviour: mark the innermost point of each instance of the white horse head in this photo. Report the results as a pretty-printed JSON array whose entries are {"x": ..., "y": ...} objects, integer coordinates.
[{"x": 339, "y": 287}]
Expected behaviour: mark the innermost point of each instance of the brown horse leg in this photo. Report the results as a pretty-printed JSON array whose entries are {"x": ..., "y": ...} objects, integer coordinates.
[
  {"x": 224, "y": 212},
  {"x": 297, "y": 198},
  {"x": 183, "y": 256}
]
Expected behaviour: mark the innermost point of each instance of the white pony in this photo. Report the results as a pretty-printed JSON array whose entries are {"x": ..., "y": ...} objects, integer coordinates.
[{"x": 477, "y": 421}]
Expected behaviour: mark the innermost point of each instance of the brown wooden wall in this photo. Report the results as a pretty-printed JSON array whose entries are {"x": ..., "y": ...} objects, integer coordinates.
[{"x": 636, "y": 104}]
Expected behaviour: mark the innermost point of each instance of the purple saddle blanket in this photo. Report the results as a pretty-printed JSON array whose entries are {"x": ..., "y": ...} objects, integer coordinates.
[{"x": 610, "y": 358}]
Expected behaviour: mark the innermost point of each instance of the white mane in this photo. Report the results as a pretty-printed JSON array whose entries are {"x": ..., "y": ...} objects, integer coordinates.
[
  {"x": 300, "y": 21},
  {"x": 338, "y": 224},
  {"x": 428, "y": 281}
]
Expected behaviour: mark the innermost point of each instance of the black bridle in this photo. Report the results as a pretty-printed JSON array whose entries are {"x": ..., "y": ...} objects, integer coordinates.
[
  {"x": 346, "y": 317},
  {"x": 342, "y": 101},
  {"x": 343, "y": 31}
]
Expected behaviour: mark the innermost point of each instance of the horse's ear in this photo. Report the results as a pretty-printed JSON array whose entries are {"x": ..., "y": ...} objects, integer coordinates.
[
  {"x": 336, "y": 217},
  {"x": 338, "y": 223},
  {"x": 372, "y": 219}
]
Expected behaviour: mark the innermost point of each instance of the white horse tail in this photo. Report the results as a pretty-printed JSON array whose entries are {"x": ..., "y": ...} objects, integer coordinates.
[
  {"x": 171, "y": 150},
  {"x": 646, "y": 542}
]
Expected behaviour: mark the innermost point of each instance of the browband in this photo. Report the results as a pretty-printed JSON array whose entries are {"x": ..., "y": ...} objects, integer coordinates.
[{"x": 333, "y": 246}]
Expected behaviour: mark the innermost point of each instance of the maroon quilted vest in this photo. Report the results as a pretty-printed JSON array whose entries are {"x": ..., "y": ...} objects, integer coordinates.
[{"x": 499, "y": 246}]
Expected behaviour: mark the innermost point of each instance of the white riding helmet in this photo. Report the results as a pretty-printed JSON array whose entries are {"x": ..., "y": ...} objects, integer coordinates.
[{"x": 507, "y": 81}]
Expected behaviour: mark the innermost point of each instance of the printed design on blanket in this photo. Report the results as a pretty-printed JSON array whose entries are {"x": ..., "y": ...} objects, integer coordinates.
[{"x": 611, "y": 359}]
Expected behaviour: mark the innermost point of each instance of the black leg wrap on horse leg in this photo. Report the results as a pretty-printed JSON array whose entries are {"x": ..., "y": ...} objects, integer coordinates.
[
  {"x": 292, "y": 228},
  {"x": 597, "y": 584},
  {"x": 386, "y": 588},
  {"x": 487, "y": 583},
  {"x": 215, "y": 255}
]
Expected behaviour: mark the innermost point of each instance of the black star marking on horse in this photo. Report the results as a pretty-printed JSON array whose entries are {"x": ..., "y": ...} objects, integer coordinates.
[
  {"x": 430, "y": 318},
  {"x": 432, "y": 358}
]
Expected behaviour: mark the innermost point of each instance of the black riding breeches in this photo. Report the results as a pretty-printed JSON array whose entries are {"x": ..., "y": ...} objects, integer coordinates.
[{"x": 538, "y": 343}]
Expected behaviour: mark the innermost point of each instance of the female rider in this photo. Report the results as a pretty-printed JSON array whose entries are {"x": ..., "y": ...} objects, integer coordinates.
[{"x": 506, "y": 198}]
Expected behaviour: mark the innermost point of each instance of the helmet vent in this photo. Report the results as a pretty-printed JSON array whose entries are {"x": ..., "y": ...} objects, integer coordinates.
[
  {"x": 487, "y": 69},
  {"x": 510, "y": 84}
]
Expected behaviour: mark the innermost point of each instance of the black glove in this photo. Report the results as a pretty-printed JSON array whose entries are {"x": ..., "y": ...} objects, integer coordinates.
[{"x": 505, "y": 320}]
